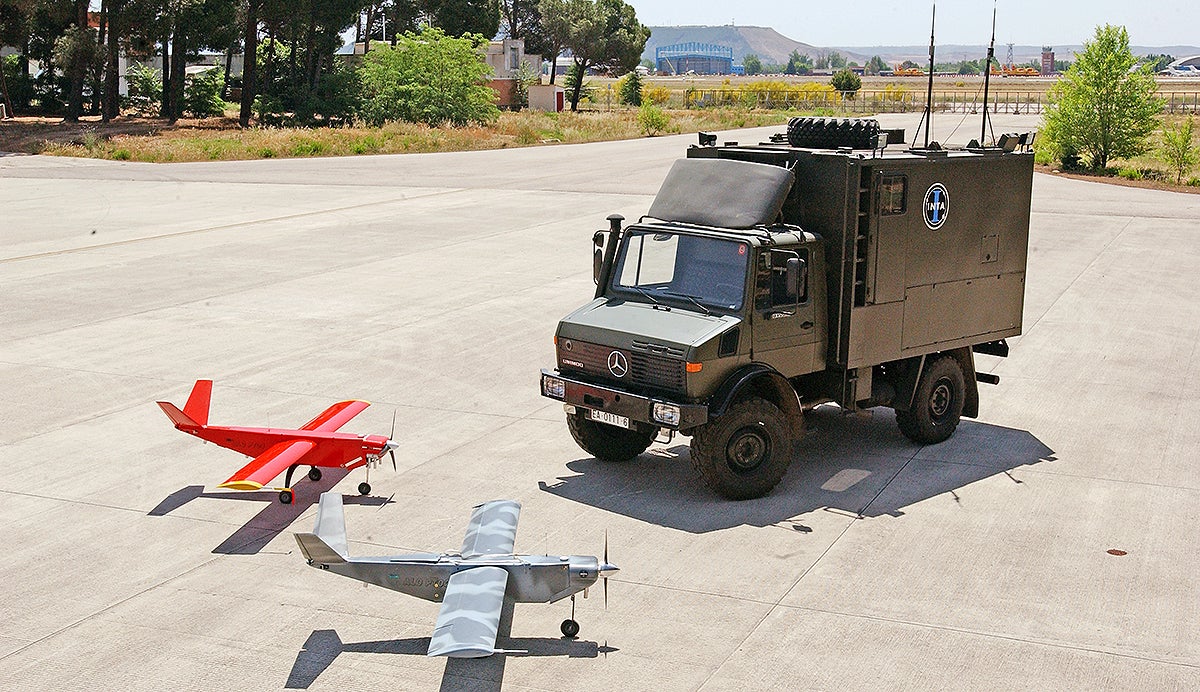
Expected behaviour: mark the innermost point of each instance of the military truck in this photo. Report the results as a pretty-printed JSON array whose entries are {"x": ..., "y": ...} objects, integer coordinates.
[{"x": 768, "y": 279}]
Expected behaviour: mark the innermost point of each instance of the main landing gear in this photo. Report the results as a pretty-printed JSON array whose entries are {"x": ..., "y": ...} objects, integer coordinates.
[
  {"x": 286, "y": 495},
  {"x": 569, "y": 627}
]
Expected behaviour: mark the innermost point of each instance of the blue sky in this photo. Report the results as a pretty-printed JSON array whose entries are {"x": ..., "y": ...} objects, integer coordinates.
[{"x": 884, "y": 22}]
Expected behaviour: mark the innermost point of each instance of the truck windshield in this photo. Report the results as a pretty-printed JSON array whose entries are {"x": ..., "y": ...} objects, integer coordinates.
[{"x": 695, "y": 270}]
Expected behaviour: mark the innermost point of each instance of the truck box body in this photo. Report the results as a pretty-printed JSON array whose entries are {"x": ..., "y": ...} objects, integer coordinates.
[{"x": 911, "y": 282}]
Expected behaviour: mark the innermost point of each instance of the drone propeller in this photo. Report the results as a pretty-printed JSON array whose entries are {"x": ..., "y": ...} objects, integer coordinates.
[
  {"x": 606, "y": 569},
  {"x": 391, "y": 446}
]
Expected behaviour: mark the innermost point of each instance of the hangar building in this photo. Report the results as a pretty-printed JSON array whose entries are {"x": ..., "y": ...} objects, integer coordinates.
[{"x": 701, "y": 58}]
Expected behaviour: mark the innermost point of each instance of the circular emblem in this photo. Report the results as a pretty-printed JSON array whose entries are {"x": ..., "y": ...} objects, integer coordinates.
[
  {"x": 936, "y": 206},
  {"x": 618, "y": 365}
]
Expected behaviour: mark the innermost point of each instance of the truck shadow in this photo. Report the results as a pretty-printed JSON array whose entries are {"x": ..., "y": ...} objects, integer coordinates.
[
  {"x": 857, "y": 464},
  {"x": 324, "y": 646},
  {"x": 274, "y": 517}
]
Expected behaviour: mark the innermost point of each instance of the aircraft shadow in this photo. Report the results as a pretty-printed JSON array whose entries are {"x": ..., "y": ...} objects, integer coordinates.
[
  {"x": 274, "y": 517},
  {"x": 324, "y": 646},
  {"x": 859, "y": 464}
]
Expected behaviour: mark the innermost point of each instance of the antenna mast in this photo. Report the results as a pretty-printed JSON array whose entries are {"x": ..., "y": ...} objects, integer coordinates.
[
  {"x": 927, "y": 117},
  {"x": 987, "y": 75}
]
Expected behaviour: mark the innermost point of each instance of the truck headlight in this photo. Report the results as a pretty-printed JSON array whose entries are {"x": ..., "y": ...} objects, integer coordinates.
[
  {"x": 553, "y": 387},
  {"x": 667, "y": 414}
]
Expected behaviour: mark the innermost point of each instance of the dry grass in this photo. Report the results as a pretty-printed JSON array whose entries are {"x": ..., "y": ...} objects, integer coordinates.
[{"x": 221, "y": 140}]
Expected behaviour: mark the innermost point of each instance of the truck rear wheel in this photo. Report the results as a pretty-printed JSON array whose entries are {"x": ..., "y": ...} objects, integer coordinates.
[
  {"x": 608, "y": 442},
  {"x": 744, "y": 453},
  {"x": 937, "y": 404}
]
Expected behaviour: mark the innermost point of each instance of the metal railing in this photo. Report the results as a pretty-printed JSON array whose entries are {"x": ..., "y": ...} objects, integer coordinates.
[{"x": 900, "y": 101}]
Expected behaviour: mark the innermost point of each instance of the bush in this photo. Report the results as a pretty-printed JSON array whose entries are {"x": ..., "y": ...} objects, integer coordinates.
[
  {"x": 20, "y": 85},
  {"x": 145, "y": 89},
  {"x": 428, "y": 78},
  {"x": 629, "y": 89},
  {"x": 1178, "y": 148},
  {"x": 652, "y": 119},
  {"x": 846, "y": 82},
  {"x": 202, "y": 94},
  {"x": 656, "y": 95},
  {"x": 1130, "y": 174}
]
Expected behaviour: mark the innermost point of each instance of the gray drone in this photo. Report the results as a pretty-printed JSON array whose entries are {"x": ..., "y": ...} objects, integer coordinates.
[{"x": 472, "y": 585}]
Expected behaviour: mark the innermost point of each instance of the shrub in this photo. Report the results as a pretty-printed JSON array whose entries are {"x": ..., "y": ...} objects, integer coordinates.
[
  {"x": 846, "y": 82},
  {"x": 656, "y": 95},
  {"x": 1178, "y": 148},
  {"x": 1130, "y": 174},
  {"x": 145, "y": 89},
  {"x": 428, "y": 78},
  {"x": 202, "y": 94},
  {"x": 652, "y": 119},
  {"x": 629, "y": 89}
]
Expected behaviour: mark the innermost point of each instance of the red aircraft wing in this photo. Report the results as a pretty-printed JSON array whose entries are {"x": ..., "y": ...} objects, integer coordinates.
[
  {"x": 336, "y": 416},
  {"x": 266, "y": 466}
]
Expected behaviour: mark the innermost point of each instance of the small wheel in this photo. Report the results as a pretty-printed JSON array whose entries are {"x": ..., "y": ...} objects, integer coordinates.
[
  {"x": 314, "y": 474},
  {"x": 569, "y": 628},
  {"x": 364, "y": 488},
  {"x": 285, "y": 496}
]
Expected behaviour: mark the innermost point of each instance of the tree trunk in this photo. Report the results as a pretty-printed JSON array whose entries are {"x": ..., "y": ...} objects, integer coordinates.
[
  {"x": 367, "y": 33},
  {"x": 178, "y": 72},
  {"x": 78, "y": 70},
  {"x": 165, "y": 109},
  {"x": 577, "y": 89},
  {"x": 112, "y": 74},
  {"x": 8, "y": 109},
  {"x": 249, "y": 63},
  {"x": 310, "y": 49},
  {"x": 553, "y": 65}
]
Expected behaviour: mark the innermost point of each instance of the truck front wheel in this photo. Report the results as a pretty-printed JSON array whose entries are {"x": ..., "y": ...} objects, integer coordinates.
[
  {"x": 744, "y": 453},
  {"x": 937, "y": 404},
  {"x": 608, "y": 442}
]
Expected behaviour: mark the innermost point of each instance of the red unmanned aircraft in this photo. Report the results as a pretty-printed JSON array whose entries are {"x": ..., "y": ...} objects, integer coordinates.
[{"x": 316, "y": 443}]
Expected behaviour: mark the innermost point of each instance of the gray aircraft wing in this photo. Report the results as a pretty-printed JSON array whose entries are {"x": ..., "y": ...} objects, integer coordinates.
[
  {"x": 492, "y": 529},
  {"x": 470, "y": 615}
]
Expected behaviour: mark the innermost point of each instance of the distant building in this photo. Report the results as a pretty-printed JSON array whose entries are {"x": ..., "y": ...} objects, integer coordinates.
[
  {"x": 1047, "y": 60},
  {"x": 697, "y": 58},
  {"x": 505, "y": 58}
]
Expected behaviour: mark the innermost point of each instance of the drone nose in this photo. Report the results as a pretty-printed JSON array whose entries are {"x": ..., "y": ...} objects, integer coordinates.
[{"x": 606, "y": 569}]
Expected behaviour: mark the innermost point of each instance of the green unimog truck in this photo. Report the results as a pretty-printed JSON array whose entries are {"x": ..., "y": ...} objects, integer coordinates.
[{"x": 771, "y": 278}]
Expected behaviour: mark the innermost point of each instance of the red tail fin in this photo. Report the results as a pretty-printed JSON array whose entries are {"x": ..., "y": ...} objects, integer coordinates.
[
  {"x": 196, "y": 407},
  {"x": 179, "y": 418}
]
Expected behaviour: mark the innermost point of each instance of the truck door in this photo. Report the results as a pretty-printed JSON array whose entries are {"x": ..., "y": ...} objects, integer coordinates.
[{"x": 783, "y": 321}]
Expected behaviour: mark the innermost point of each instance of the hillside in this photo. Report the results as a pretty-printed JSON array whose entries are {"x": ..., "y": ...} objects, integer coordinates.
[
  {"x": 768, "y": 44},
  {"x": 773, "y": 47}
]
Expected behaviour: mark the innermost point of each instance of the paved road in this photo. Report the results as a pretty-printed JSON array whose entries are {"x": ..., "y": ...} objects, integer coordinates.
[{"x": 430, "y": 284}]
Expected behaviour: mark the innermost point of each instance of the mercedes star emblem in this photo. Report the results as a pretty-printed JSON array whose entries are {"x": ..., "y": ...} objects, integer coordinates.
[{"x": 617, "y": 364}]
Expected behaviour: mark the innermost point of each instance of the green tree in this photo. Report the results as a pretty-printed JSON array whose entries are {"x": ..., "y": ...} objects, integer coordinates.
[
  {"x": 876, "y": 65},
  {"x": 459, "y": 17},
  {"x": 652, "y": 119},
  {"x": 202, "y": 94},
  {"x": 752, "y": 64},
  {"x": 1178, "y": 148},
  {"x": 1157, "y": 62},
  {"x": 1102, "y": 107},
  {"x": 603, "y": 34},
  {"x": 430, "y": 78},
  {"x": 798, "y": 63},
  {"x": 630, "y": 90},
  {"x": 837, "y": 61},
  {"x": 846, "y": 82}
]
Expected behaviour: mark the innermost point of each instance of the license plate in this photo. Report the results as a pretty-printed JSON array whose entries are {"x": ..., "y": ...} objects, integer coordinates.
[{"x": 610, "y": 418}]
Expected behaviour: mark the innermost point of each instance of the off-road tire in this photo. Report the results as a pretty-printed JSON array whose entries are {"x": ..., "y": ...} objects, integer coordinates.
[
  {"x": 937, "y": 405},
  {"x": 831, "y": 133},
  {"x": 608, "y": 442},
  {"x": 743, "y": 454}
]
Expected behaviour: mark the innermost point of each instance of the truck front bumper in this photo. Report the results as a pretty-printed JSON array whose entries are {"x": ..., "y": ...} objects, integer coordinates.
[{"x": 658, "y": 412}]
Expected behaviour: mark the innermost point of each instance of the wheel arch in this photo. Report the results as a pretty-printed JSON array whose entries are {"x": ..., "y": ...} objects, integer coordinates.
[{"x": 759, "y": 380}]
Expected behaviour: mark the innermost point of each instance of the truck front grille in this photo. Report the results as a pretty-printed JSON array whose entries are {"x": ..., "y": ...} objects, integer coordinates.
[{"x": 648, "y": 370}]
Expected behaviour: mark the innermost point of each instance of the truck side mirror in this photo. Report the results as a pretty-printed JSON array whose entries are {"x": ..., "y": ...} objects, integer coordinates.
[
  {"x": 597, "y": 256},
  {"x": 797, "y": 273}
]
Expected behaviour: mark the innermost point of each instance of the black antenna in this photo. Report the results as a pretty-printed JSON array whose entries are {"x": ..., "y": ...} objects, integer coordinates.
[
  {"x": 927, "y": 117},
  {"x": 987, "y": 74}
]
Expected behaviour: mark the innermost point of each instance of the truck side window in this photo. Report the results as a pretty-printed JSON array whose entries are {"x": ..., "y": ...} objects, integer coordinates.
[
  {"x": 771, "y": 285},
  {"x": 893, "y": 193}
]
